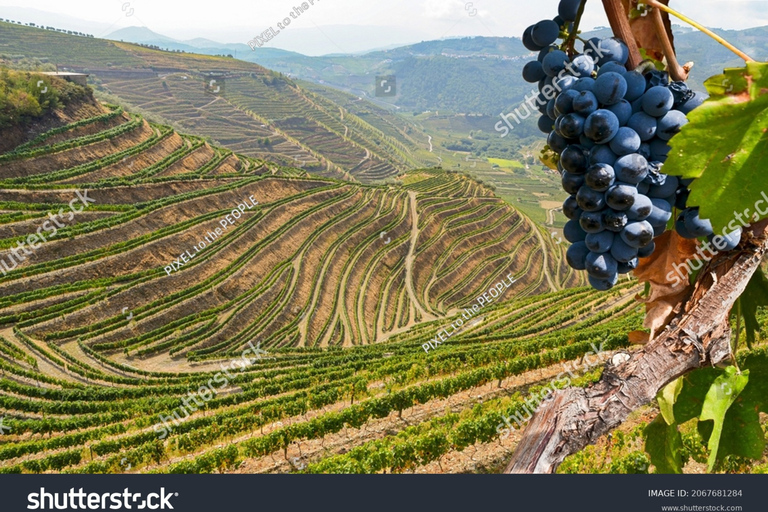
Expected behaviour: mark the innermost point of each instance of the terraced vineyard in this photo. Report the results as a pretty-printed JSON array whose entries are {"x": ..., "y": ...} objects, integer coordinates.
[
  {"x": 255, "y": 112},
  {"x": 124, "y": 335}
]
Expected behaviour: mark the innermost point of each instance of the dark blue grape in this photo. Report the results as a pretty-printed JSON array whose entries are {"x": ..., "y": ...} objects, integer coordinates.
[
  {"x": 635, "y": 85},
  {"x": 571, "y": 208},
  {"x": 626, "y": 141},
  {"x": 644, "y": 125},
  {"x": 621, "y": 196},
  {"x": 528, "y": 41},
  {"x": 564, "y": 102},
  {"x": 612, "y": 67},
  {"x": 637, "y": 234},
  {"x": 614, "y": 221},
  {"x": 584, "y": 84},
  {"x": 545, "y": 124},
  {"x": 641, "y": 209},
  {"x": 574, "y": 159},
  {"x": 696, "y": 101},
  {"x": 590, "y": 200},
  {"x": 622, "y": 252},
  {"x": 599, "y": 242},
  {"x": 585, "y": 103},
  {"x": 591, "y": 222},
  {"x": 554, "y": 62},
  {"x": 657, "y": 101},
  {"x": 601, "y": 126},
  {"x": 613, "y": 50},
  {"x": 662, "y": 212},
  {"x": 694, "y": 224},
  {"x": 610, "y": 88},
  {"x": 556, "y": 142},
  {"x": 623, "y": 111},
  {"x": 573, "y": 233},
  {"x": 603, "y": 285},
  {"x": 572, "y": 182},
  {"x": 601, "y": 265},
  {"x": 602, "y": 154},
  {"x": 545, "y": 32},
  {"x": 632, "y": 168},
  {"x": 582, "y": 66},
  {"x": 576, "y": 256},
  {"x": 533, "y": 71},
  {"x": 670, "y": 124},
  {"x": 568, "y": 9},
  {"x": 599, "y": 178}
]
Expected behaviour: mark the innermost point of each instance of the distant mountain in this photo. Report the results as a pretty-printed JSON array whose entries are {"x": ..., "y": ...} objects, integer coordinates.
[{"x": 139, "y": 35}]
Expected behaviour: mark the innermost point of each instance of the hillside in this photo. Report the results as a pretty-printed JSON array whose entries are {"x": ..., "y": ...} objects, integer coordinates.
[
  {"x": 317, "y": 262},
  {"x": 242, "y": 106},
  {"x": 165, "y": 261}
]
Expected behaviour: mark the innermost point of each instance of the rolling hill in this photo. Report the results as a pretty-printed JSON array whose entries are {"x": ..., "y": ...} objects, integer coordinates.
[
  {"x": 166, "y": 260},
  {"x": 247, "y": 108}
]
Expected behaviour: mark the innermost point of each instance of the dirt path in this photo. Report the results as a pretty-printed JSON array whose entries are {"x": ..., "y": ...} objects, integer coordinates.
[
  {"x": 409, "y": 261},
  {"x": 543, "y": 243}
]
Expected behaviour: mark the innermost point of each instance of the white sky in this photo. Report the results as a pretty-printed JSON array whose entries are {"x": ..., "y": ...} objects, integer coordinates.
[{"x": 354, "y": 25}]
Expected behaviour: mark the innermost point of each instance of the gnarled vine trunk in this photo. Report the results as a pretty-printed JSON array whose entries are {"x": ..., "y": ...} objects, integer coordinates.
[{"x": 697, "y": 337}]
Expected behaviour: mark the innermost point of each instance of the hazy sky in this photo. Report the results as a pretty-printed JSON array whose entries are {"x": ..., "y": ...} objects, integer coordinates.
[{"x": 353, "y": 25}]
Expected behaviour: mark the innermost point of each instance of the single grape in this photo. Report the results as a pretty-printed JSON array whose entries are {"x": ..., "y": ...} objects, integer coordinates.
[
  {"x": 568, "y": 9},
  {"x": 725, "y": 242},
  {"x": 545, "y": 32},
  {"x": 571, "y": 208},
  {"x": 593, "y": 48},
  {"x": 564, "y": 82},
  {"x": 613, "y": 50},
  {"x": 680, "y": 92},
  {"x": 601, "y": 126},
  {"x": 551, "y": 109},
  {"x": 601, "y": 265},
  {"x": 599, "y": 178},
  {"x": 646, "y": 251},
  {"x": 622, "y": 252},
  {"x": 681, "y": 229},
  {"x": 643, "y": 187},
  {"x": 599, "y": 242},
  {"x": 582, "y": 66},
  {"x": 644, "y": 150},
  {"x": 554, "y": 62},
  {"x": 603, "y": 285},
  {"x": 544, "y": 51},
  {"x": 572, "y": 182},
  {"x": 591, "y": 222},
  {"x": 545, "y": 124},
  {"x": 574, "y": 159},
  {"x": 621, "y": 196},
  {"x": 632, "y": 168},
  {"x": 611, "y": 67},
  {"x": 696, "y": 101},
  {"x": 614, "y": 221},
  {"x": 694, "y": 224},
  {"x": 573, "y": 233},
  {"x": 528, "y": 41},
  {"x": 665, "y": 190},
  {"x": 576, "y": 256},
  {"x": 662, "y": 212},
  {"x": 590, "y": 200},
  {"x": 610, "y": 88},
  {"x": 626, "y": 141},
  {"x": 533, "y": 71},
  {"x": 635, "y": 85},
  {"x": 584, "y": 84},
  {"x": 564, "y": 102},
  {"x": 602, "y": 154},
  {"x": 623, "y": 111},
  {"x": 585, "y": 103},
  {"x": 586, "y": 142},
  {"x": 644, "y": 125},
  {"x": 659, "y": 150},
  {"x": 657, "y": 101},
  {"x": 671, "y": 124},
  {"x": 641, "y": 209},
  {"x": 572, "y": 126},
  {"x": 557, "y": 142},
  {"x": 637, "y": 234}
]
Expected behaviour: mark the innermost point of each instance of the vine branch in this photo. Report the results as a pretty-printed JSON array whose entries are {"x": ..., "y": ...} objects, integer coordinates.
[
  {"x": 699, "y": 336},
  {"x": 619, "y": 20}
]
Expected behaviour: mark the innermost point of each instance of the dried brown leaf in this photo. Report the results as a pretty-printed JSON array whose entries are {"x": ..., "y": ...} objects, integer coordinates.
[
  {"x": 645, "y": 32},
  {"x": 671, "y": 250},
  {"x": 639, "y": 337}
]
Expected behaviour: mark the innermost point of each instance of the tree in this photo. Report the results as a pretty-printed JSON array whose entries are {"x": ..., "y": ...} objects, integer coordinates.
[{"x": 689, "y": 364}]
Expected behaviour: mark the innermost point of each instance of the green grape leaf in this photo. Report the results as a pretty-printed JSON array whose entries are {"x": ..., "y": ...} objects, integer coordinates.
[
  {"x": 667, "y": 398},
  {"x": 691, "y": 398},
  {"x": 664, "y": 445},
  {"x": 755, "y": 295},
  {"x": 723, "y": 393},
  {"x": 725, "y": 146}
]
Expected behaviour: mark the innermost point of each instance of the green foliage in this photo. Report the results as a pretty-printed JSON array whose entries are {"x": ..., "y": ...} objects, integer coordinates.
[{"x": 725, "y": 147}]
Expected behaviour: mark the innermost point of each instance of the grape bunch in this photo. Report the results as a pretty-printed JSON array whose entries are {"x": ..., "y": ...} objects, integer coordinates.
[{"x": 611, "y": 128}]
